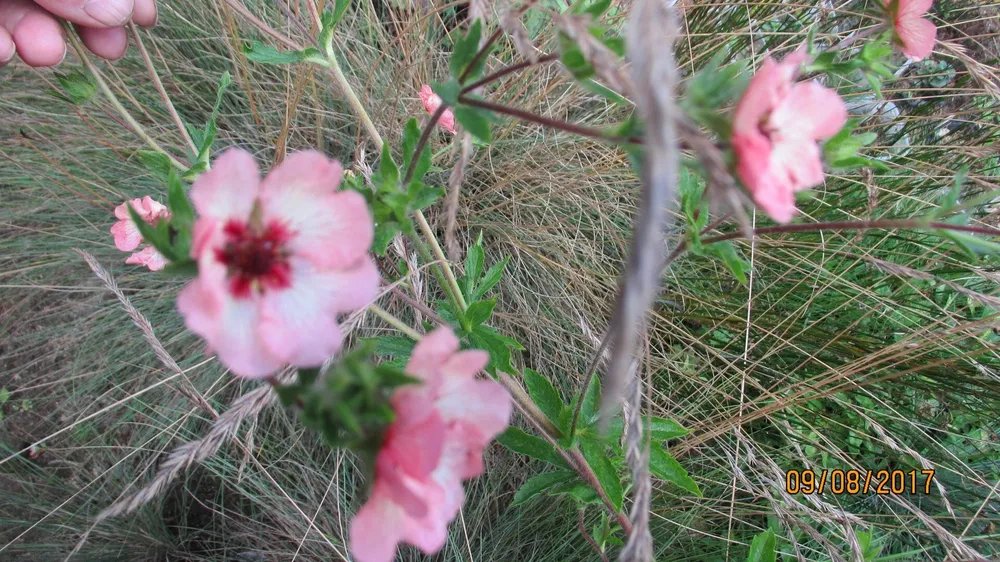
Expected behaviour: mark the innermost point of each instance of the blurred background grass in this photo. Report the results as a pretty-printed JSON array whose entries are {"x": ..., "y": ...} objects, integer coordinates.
[{"x": 844, "y": 360}]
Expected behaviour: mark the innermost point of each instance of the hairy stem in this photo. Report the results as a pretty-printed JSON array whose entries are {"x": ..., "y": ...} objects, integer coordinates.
[
  {"x": 394, "y": 322},
  {"x": 590, "y": 540},
  {"x": 547, "y": 122}
]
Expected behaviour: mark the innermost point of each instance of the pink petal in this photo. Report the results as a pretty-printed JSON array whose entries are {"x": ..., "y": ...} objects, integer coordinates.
[
  {"x": 228, "y": 325},
  {"x": 810, "y": 111},
  {"x": 331, "y": 228},
  {"x": 918, "y": 36},
  {"x": 127, "y": 237},
  {"x": 447, "y": 121},
  {"x": 229, "y": 189},
  {"x": 483, "y": 405},
  {"x": 148, "y": 257},
  {"x": 415, "y": 447},
  {"x": 152, "y": 210},
  {"x": 121, "y": 211},
  {"x": 430, "y": 353},
  {"x": 799, "y": 161},
  {"x": 299, "y": 324},
  {"x": 376, "y": 529},
  {"x": 914, "y": 8},
  {"x": 777, "y": 200},
  {"x": 763, "y": 92},
  {"x": 430, "y": 100}
]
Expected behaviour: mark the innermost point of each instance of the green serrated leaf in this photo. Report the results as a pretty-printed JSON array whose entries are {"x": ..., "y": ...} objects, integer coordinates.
[
  {"x": 266, "y": 54},
  {"x": 181, "y": 268},
  {"x": 736, "y": 264},
  {"x": 181, "y": 211},
  {"x": 579, "y": 491},
  {"x": 663, "y": 429},
  {"x": 473, "y": 120},
  {"x": 490, "y": 280},
  {"x": 545, "y": 396},
  {"x": 388, "y": 172},
  {"x": 384, "y": 233},
  {"x": 424, "y": 196},
  {"x": 465, "y": 51},
  {"x": 474, "y": 258},
  {"x": 762, "y": 549},
  {"x": 157, "y": 163},
  {"x": 448, "y": 91},
  {"x": 156, "y": 236},
  {"x": 535, "y": 447},
  {"x": 591, "y": 402},
  {"x": 666, "y": 467},
  {"x": 411, "y": 137},
  {"x": 594, "y": 451},
  {"x": 480, "y": 311},
  {"x": 77, "y": 87},
  {"x": 396, "y": 346},
  {"x": 538, "y": 484}
]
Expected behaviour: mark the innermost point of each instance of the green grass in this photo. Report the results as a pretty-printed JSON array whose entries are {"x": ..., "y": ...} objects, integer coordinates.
[{"x": 848, "y": 364}]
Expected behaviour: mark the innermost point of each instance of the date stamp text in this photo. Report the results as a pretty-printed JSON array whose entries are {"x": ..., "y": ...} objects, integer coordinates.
[{"x": 854, "y": 482}]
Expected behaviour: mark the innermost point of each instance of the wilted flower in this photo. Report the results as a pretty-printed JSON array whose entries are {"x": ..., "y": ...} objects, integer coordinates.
[
  {"x": 914, "y": 33},
  {"x": 278, "y": 261},
  {"x": 127, "y": 236},
  {"x": 437, "y": 440},
  {"x": 775, "y": 130},
  {"x": 431, "y": 103}
]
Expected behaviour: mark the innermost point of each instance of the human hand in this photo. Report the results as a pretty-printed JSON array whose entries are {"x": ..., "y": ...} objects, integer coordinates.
[{"x": 31, "y": 28}]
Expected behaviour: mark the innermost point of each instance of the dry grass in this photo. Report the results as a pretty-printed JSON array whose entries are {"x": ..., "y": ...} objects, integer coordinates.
[{"x": 844, "y": 356}]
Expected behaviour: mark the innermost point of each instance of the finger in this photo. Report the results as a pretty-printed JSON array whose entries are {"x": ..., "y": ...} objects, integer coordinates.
[
  {"x": 108, "y": 43},
  {"x": 38, "y": 37},
  {"x": 145, "y": 13},
  {"x": 7, "y": 49},
  {"x": 92, "y": 13}
]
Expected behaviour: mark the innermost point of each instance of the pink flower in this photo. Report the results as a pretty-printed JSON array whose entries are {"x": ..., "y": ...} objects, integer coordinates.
[
  {"x": 442, "y": 427},
  {"x": 431, "y": 103},
  {"x": 775, "y": 129},
  {"x": 127, "y": 237},
  {"x": 148, "y": 257},
  {"x": 914, "y": 33},
  {"x": 278, "y": 260}
]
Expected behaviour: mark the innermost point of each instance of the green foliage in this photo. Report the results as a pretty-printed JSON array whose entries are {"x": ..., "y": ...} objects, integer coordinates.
[
  {"x": 348, "y": 404},
  {"x": 664, "y": 466},
  {"x": 546, "y": 397},
  {"x": 77, "y": 88},
  {"x": 540, "y": 483},
  {"x": 465, "y": 66},
  {"x": 530, "y": 446},
  {"x": 266, "y": 54},
  {"x": 841, "y": 150},
  {"x": 157, "y": 163},
  {"x": 474, "y": 284},
  {"x": 713, "y": 87},
  {"x": 663, "y": 429},
  {"x": 411, "y": 137},
  {"x": 762, "y": 549},
  {"x": 328, "y": 24},
  {"x": 595, "y": 452},
  {"x": 696, "y": 214}
]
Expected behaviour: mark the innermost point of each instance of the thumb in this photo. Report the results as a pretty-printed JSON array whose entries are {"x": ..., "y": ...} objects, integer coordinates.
[{"x": 91, "y": 13}]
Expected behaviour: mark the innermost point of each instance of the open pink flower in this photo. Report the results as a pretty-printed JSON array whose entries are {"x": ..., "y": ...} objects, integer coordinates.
[
  {"x": 442, "y": 427},
  {"x": 278, "y": 261},
  {"x": 431, "y": 103},
  {"x": 148, "y": 257},
  {"x": 914, "y": 33},
  {"x": 775, "y": 129},
  {"x": 127, "y": 237}
]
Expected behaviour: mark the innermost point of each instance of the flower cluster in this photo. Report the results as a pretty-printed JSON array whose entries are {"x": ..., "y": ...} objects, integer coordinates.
[
  {"x": 126, "y": 233},
  {"x": 442, "y": 426}
]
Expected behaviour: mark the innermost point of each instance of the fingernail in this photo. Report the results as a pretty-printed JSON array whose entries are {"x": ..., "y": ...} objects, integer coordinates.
[
  {"x": 109, "y": 12},
  {"x": 10, "y": 57}
]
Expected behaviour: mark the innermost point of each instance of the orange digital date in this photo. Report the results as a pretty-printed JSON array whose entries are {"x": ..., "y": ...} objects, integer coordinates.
[{"x": 882, "y": 482}]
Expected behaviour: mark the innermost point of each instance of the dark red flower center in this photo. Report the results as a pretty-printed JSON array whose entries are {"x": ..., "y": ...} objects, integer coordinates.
[{"x": 257, "y": 258}]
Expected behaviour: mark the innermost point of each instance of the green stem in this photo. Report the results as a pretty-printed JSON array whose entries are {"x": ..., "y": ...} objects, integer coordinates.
[
  {"x": 136, "y": 127},
  {"x": 395, "y": 322}
]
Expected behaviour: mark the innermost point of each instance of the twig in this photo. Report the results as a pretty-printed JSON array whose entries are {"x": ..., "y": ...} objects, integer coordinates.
[
  {"x": 159, "y": 87},
  {"x": 547, "y": 122}
]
